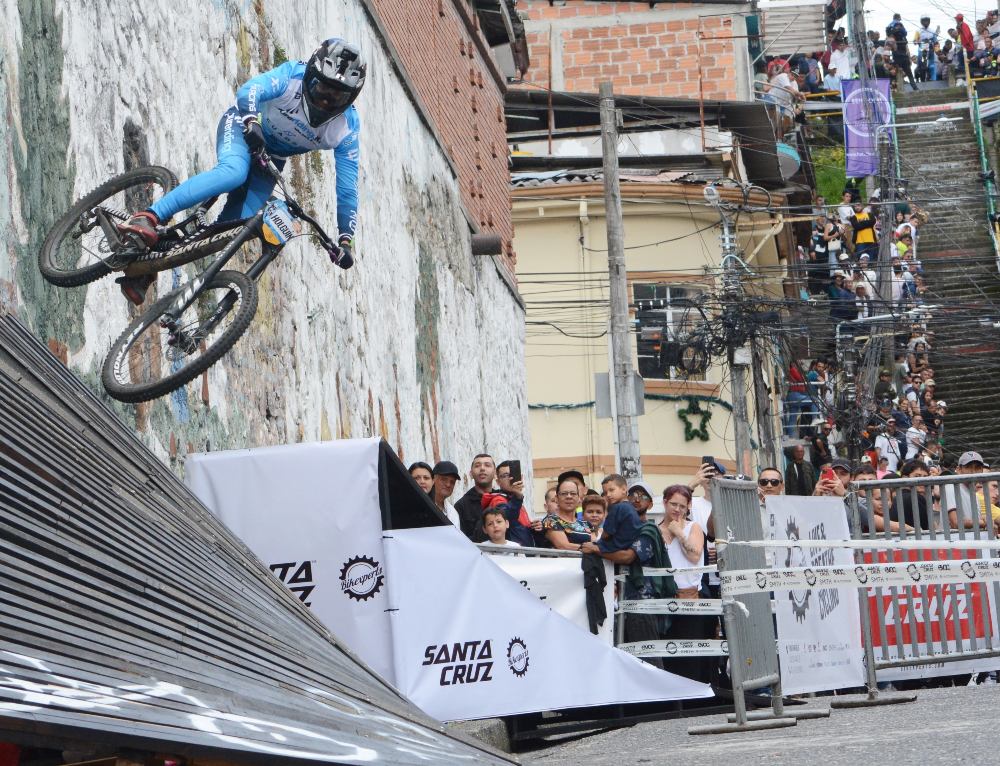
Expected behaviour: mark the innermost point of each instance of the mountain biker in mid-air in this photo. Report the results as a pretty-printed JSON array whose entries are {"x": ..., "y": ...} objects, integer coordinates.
[{"x": 292, "y": 109}]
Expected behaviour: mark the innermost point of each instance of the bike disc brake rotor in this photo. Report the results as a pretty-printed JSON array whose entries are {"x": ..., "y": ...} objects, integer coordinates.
[{"x": 163, "y": 350}]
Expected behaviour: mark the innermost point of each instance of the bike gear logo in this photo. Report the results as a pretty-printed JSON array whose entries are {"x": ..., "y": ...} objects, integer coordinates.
[
  {"x": 796, "y": 557},
  {"x": 361, "y": 578},
  {"x": 517, "y": 657}
]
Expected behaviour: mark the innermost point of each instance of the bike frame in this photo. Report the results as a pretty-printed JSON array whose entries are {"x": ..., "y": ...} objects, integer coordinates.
[{"x": 252, "y": 228}]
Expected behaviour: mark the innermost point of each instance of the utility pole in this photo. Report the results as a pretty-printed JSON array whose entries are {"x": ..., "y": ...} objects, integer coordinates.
[
  {"x": 762, "y": 406},
  {"x": 622, "y": 373},
  {"x": 738, "y": 358},
  {"x": 887, "y": 196}
]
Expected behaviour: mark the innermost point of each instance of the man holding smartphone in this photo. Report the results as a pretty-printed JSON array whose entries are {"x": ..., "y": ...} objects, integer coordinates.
[{"x": 511, "y": 483}]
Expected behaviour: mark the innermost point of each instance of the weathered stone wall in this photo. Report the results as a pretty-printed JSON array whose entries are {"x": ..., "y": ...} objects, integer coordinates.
[{"x": 420, "y": 343}]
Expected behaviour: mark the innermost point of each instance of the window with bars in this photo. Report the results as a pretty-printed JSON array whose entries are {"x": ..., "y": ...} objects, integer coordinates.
[{"x": 663, "y": 313}]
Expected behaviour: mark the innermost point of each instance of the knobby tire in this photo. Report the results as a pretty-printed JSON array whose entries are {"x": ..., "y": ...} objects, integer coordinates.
[
  {"x": 119, "y": 355},
  {"x": 66, "y": 224}
]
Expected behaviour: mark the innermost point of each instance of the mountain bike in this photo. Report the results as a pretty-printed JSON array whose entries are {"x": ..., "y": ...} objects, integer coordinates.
[{"x": 188, "y": 330}]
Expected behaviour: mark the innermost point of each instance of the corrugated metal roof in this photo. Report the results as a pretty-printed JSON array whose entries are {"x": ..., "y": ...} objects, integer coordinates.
[
  {"x": 796, "y": 27},
  {"x": 633, "y": 175},
  {"x": 131, "y": 617}
]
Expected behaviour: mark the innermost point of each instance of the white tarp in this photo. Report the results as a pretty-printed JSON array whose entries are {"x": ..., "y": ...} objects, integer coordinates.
[
  {"x": 558, "y": 583},
  {"x": 471, "y": 642},
  {"x": 819, "y": 629},
  {"x": 311, "y": 513}
]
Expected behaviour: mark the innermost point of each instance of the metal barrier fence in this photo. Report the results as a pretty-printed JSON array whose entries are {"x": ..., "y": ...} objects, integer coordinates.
[
  {"x": 921, "y": 624},
  {"x": 753, "y": 656},
  {"x": 749, "y": 629}
]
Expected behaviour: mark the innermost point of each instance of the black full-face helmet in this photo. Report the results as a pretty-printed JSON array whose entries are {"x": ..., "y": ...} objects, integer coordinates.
[{"x": 334, "y": 76}]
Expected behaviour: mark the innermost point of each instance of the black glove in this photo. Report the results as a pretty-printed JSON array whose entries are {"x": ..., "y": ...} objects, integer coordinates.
[
  {"x": 343, "y": 253},
  {"x": 253, "y": 133}
]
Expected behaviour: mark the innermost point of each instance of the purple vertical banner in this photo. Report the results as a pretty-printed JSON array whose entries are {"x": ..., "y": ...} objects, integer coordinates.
[{"x": 859, "y": 132}]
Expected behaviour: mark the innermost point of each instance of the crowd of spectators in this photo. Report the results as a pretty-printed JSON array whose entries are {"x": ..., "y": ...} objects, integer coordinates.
[
  {"x": 613, "y": 523},
  {"x": 840, "y": 260},
  {"x": 926, "y": 55}
]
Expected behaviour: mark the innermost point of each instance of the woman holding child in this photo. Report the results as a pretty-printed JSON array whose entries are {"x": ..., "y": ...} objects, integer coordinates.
[{"x": 563, "y": 529}]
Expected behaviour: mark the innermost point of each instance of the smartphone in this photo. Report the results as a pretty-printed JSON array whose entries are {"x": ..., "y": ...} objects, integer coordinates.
[
  {"x": 828, "y": 474},
  {"x": 708, "y": 459},
  {"x": 515, "y": 470}
]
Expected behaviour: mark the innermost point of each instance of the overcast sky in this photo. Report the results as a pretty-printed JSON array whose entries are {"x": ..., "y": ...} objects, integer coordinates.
[{"x": 878, "y": 13}]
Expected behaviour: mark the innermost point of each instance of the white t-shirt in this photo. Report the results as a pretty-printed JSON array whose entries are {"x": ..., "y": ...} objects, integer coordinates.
[
  {"x": 844, "y": 212},
  {"x": 889, "y": 449},
  {"x": 451, "y": 513},
  {"x": 782, "y": 89},
  {"x": 915, "y": 440},
  {"x": 681, "y": 562},
  {"x": 841, "y": 61}
]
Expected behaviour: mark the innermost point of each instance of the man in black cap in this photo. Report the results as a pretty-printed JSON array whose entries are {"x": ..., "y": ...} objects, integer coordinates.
[{"x": 445, "y": 475}]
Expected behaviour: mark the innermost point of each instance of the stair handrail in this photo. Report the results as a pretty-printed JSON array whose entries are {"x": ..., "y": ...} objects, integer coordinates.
[{"x": 984, "y": 167}]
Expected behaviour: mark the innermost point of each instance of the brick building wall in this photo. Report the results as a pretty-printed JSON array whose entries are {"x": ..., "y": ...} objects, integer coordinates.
[
  {"x": 642, "y": 50},
  {"x": 450, "y": 67}
]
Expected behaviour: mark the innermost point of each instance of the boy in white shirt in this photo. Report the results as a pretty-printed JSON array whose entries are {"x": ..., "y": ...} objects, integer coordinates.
[{"x": 495, "y": 525}]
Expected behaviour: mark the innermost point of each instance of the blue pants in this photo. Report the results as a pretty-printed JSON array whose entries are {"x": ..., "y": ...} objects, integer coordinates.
[
  {"x": 248, "y": 187},
  {"x": 796, "y": 403}
]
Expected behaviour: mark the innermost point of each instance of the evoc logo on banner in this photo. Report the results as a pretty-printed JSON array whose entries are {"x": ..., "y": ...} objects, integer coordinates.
[
  {"x": 298, "y": 577},
  {"x": 464, "y": 662},
  {"x": 361, "y": 578}
]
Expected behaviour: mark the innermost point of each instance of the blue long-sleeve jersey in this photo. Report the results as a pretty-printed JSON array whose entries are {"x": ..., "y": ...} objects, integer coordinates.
[{"x": 275, "y": 97}]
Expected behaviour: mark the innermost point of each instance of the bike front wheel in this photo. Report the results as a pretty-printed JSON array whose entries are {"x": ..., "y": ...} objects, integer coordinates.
[
  {"x": 150, "y": 360},
  {"x": 76, "y": 251}
]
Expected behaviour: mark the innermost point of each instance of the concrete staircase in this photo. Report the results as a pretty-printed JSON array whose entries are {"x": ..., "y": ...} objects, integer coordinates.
[{"x": 941, "y": 163}]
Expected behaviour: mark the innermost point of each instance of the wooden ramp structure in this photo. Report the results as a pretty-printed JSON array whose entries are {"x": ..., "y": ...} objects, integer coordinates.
[{"x": 133, "y": 620}]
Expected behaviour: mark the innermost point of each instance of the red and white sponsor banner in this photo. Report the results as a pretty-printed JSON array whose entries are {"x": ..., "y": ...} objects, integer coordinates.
[{"x": 950, "y": 615}]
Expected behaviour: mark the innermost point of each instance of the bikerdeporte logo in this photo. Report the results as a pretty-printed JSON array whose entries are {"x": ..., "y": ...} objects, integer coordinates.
[
  {"x": 361, "y": 578},
  {"x": 517, "y": 657},
  {"x": 463, "y": 662}
]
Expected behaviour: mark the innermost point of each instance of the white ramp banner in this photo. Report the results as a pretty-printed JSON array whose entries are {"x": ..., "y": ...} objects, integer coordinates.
[
  {"x": 472, "y": 642},
  {"x": 311, "y": 513},
  {"x": 819, "y": 634},
  {"x": 558, "y": 583}
]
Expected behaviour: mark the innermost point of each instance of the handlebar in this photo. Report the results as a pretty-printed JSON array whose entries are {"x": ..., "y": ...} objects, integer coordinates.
[{"x": 265, "y": 161}]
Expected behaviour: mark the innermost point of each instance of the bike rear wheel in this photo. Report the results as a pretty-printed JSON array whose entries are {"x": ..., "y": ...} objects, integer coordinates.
[
  {"x": 76, "y": 251},
  {"x": 147, "y": 361}
]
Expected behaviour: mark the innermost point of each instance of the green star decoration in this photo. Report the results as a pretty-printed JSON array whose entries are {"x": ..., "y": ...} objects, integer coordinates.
[{"x": 694, "y": 408}]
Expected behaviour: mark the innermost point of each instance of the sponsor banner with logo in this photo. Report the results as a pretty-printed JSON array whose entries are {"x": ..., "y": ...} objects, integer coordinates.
[
  {"x": 558, "y": 583},
  {"x": 865, "y": 109},
  {"x": 951, "y": 614},
  {"x": 310, "y": 512},
  {"x": 472, "y": 642},
  {"x": 819, "y": 629}
]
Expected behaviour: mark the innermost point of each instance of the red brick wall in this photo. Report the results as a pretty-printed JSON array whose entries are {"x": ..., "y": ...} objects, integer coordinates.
[
  {"x": 644, "y": 56},
  {"x": 457, "y": 87}
]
